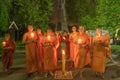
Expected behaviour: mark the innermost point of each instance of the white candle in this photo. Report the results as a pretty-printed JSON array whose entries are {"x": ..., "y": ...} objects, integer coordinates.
[
  {"x": 32, "y": 35},
  {"x": 4, "y": 43},
  {"x": 63, "y": 61}
]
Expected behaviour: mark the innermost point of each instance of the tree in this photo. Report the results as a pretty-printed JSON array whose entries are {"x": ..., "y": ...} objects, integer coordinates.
[
  {"x": 4, "y": 14},
  {"x": 35, "y": 12},
  {"x": 108, "y": 14},
  {"x": 79, "y": 9}
]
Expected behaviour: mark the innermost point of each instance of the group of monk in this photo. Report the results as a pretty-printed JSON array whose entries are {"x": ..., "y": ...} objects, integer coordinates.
[
  {"x": 44, "y": 50},
  {"x": 90, "y": 50}
]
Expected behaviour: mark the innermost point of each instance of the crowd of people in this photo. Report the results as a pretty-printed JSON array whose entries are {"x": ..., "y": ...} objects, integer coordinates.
[{"x": 44, "y": 50}]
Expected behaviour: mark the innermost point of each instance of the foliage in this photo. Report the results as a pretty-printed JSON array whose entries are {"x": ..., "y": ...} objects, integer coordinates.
[
  {"x": 36, "y": 12},
  {"x": 4, "y": 14},
  {"x": 92, "y": 13},
  {"x": 115, "y": 49},
  {"x": 108, "y": 14},
  {"x": 88, "y": 21},
  {"x": 78, "y": 9},
  {"x": 25, "y": 12}
]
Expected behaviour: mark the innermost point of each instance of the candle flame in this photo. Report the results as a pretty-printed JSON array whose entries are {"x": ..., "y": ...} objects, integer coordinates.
[
  {"x": 48, "y": 37},
  {"x": 4, "y": 43},
  {"x": 79, "y": 40},
  {"x": 32, "y": 34},
  {"x": 63, "y": 52},
  {"x": 64, "y": 38}
]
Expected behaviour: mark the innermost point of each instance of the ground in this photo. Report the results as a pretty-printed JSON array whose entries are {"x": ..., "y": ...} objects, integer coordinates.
[{"x": 18, "y": 71}]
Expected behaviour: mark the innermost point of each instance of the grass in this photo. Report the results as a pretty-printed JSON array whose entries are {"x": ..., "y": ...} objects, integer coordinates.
[{"x": 115, "y": 49}]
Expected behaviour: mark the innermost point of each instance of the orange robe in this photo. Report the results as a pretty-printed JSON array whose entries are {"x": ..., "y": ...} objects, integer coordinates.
[
  {"x": 99, "y": 54},
  {"x": 81, "y": 51},
  {"x": 50, "y": 56},
  {"x": 32, "y": 56},
  {"x": 40, "y": 47},
  {"x": 7, "y": 54},
  {"x": 88, "y": 58},
  {"x": 72, "y": 45},
  {"x": 109, "y": 54}
]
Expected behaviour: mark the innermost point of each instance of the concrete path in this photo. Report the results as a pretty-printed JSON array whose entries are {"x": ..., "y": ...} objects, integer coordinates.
[{"x": 18, "y": 71}]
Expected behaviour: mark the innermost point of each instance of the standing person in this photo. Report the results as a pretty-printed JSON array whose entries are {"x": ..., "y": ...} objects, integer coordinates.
[
  {"x": 40, "y": 46},
  {"x": 7, "y": 53},
  {"x": 89, "y": 48},
  {"x": 99, "y": 53},
  {"x": 71, "y": 39},
  {"x": 50, "y": 56},
  {"x": 109, "y": 54},
  {"x": 65, "y": 39},
  {"x": 81, "y": 42},
  {"x": 30, "y": 41},
  {"x": 58, "y": 42}
]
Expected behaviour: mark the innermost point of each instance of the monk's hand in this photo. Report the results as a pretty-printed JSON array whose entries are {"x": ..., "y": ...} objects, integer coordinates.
[{"x": 32, "y": 40}]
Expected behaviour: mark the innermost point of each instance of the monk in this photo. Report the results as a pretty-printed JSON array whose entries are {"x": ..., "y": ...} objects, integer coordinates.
[
  {"x": 40, "y": 45},
  {"x": 58, "y": 42},
  {"x": 32, "y": 56},
  {"x": 71, "y": 39},
  {"x": 65, "y": 39},
  {"x": 7, "y": 53},
  {"x": 50, "y": 56},
  {"x": 99, "y": 53},
  {"x": 89, "y": 49},
  {"x": 81, "y": 43},
  {"x": 109, "y": 54}
]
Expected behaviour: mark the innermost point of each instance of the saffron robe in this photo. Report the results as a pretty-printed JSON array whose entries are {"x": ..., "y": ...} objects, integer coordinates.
[
  {"x": 7, "y": 54},
  {"x": 99, "y": 54},
  {"x": 50, "y": 56},
  {"x": 81, "y": 51},
  {"x": 32, "y": 56},
  {"x": 72, "y": 45}
]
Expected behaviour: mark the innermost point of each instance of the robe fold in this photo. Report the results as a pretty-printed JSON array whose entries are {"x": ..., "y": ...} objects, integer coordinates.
[
  {"x": 99, "y": 54},
  {"x": 33, "y": 62},
  {"x": 80, "y": 52},
  {"x": 50, "y": 56},
  {"x": 72, "y": 45},
  {"x": 7, "y": 54}
]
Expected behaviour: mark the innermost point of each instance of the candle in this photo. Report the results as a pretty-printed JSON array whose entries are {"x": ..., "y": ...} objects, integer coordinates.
[
  {"x": 63, "y": 61},
  {"x": 48, "y": 37},
  {"x": 79, "y": 41},
  {"x": 32, "y": 35},
  {"x": 4, "y": 43},
  {"x": 63, "y": 37}
]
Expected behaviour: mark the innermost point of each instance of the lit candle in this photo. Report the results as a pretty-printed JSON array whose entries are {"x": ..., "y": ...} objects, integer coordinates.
[
  {"x": 79, "y": 41},
  {"x": 48, "y": 37},
  {"x": 63, "y": 37},
  {"x": 4, "y": 43},
  {"x": 32, "y": 35},
  {"x": 63, "y": 61}
]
